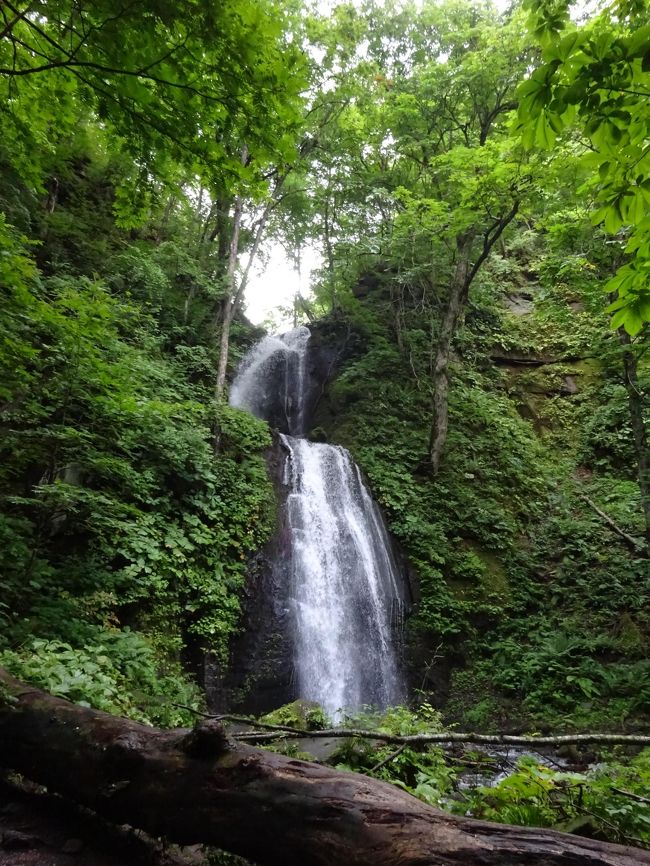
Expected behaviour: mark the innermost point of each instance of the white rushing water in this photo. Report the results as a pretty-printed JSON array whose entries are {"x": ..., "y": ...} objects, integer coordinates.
[
  {"x": 270, "y": 381},
  {"x": 345, "y": 592}
]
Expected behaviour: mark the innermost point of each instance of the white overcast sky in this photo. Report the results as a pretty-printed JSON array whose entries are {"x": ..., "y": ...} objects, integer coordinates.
[{"x": 275, "y": 284}]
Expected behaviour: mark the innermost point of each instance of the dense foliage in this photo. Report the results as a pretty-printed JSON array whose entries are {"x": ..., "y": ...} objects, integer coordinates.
[
  {"x": 521, "y": 581},
  {"x": 528, "y": 595},
  {"x": 128, "y": 499},
  {"x": 115, "y": 510},
  {"x": 600, "y": 73}
]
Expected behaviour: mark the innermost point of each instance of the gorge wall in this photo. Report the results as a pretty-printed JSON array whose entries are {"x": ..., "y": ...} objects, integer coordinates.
[{"x": 521, "y": 584}]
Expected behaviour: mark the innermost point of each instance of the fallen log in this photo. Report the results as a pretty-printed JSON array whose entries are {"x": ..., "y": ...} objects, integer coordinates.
[{"x": 198, "y": 786}]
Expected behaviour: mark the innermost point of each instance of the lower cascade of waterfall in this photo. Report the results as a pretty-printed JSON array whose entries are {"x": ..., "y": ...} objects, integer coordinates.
[{"x": 346, "y": 594}]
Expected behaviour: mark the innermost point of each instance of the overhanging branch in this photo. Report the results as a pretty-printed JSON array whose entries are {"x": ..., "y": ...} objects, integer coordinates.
[{"x": 490, "y": 237}]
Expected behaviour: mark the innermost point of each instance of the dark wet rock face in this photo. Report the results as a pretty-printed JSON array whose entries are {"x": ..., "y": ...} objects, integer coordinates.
[
  {"x": 283, "y": 379},
  {"x": 261, "y": 674},
  {"x": 280, "y": 380}
]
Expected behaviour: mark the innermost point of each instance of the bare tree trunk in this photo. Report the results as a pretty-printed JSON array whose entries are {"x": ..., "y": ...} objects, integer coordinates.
[
  {"x": 636, "y": 402},
  {"x": 198, "y": 786},
  {"x": 259, "y": 233},
  {"x": 219, "y": 211},
  {"x": 52, "y": 187},
  {"x": 228, "y": 301},
  {"x": 235, "y": 296},
  {"x": 397, "y": 305},
  {"x": 456, "y": 300},
  {"x": 162, "y": 228},
  {"x": 220, "y": 228},
  {"x": 329, "y": 250},
  {"x": 198, "y": 220},
  {"x": 189, "y": 297},
  {"x": 440, "y": 379}
]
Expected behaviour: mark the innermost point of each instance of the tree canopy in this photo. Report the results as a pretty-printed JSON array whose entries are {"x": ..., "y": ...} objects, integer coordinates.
[{"x": 597, "y": 76}]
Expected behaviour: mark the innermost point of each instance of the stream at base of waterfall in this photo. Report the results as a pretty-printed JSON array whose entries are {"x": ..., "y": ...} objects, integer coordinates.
[{"x": 346, "y": 592}]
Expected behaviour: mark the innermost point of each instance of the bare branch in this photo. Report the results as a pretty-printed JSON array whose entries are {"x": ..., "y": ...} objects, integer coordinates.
[
  {"x": 444, "y": 737},
  {"x": 490, "y": 237},
  {"x": 634, "y": 544},
  {"x": 448, "y": 737}
]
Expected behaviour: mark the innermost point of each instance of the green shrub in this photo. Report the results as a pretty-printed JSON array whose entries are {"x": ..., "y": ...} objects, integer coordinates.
[{"x": 118, "y": 674}]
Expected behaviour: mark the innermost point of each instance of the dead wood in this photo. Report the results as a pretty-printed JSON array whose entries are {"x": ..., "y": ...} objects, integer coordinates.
[{"x": 198, "y": 786}]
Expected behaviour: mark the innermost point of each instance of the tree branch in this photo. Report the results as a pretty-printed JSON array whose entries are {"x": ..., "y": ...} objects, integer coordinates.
[
  {"x": 634, "y": 544},
  {"x": 444, "y": 737},
  {"x": 18, "y": 16},
  {"x": 447, "y": 737},
  {"x": 490, "y": 237},
  {"x": 388, "y": 759},
  {"x": 109, "y": 70},
  {"x": 630, "y": 795}
]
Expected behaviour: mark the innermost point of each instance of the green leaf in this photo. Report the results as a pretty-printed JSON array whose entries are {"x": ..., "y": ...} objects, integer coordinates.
[
  {"x": 645, "y": 62},
  {"x": 544, "y": 134},
  {"x": 638, "y": 44},
  {"x": 565, "y": 47},
  {"x": 633, "y": 322},
  {"x": 613, "y": 217}
]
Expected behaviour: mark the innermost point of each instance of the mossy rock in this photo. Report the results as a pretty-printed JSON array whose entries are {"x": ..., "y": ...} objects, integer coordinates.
[
  {"x": 318, "y": 434},
  {"x": 629, "y": 635},
  {"x": 306, "y": 715},
  {"x": 484, "y": 575},
  {"x": 589, "y": 369},
  {"x": 494, "y": 580}
]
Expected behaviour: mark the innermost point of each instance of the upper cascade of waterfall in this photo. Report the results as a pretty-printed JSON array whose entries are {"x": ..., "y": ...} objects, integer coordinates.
[{"x": 272, "y": 379}]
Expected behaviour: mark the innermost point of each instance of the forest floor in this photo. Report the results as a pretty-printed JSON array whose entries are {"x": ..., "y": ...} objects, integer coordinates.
[{"x": 38, "y": 829}]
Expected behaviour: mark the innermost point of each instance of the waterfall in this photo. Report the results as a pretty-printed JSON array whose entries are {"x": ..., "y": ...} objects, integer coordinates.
[
  {"x": 345, "y": 592},
  {"x": 270, "y": 382},
  {"x": 344, "y": 582}
]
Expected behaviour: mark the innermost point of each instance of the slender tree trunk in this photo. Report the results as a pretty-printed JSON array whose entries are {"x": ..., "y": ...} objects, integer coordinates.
[
  {"x": 219, "y": 213},
  {"x": 440, "y": 380},
  {"x": 52, "y": 187},
  {"x": 457, "y": 298},
  {"x": 397, "y": 304},
  {"x": 200, "y": 787},
  {"x": 229, "y": 301},
  {"x": 189, "y": 297},
  {"x": 636, "y": 402},
  {"x": 199, "y": 218},
  {"x": 329, "y": 250},
  {"x": 220, "y": 229},
  {"x": 259, "y": 234},
  {"x": 201, "y": 243},
  {"x": 162, "y": 228},
  {"x": 235, "y": 296}
]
